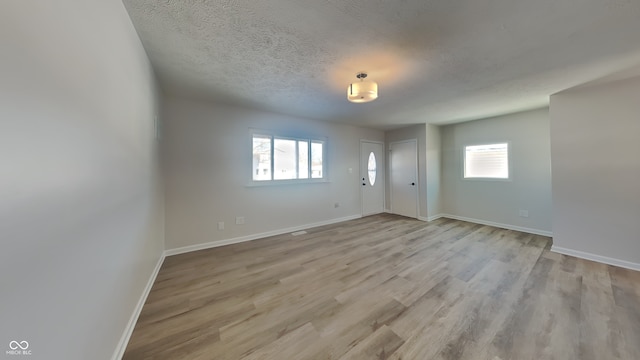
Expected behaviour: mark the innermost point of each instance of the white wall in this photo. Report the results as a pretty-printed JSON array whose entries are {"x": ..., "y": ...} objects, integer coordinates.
[
  {"x": 595, "y": 137},
  {"x": 419, "y": 133},
  {"x": 499, "y": 202},
  {"x": 208, "y": 166},
  {"x": 434, "y": 171},
  {"x": 81, "y": 221}
]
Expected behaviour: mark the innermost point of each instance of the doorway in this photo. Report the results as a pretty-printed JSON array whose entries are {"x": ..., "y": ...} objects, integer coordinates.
[
  {"x": 403, "y": 165},
  {"x": 372, "y": 177}
]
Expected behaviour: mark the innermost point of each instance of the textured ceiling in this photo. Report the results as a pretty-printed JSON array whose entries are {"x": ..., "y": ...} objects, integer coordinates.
[{"x": 435, "y": 61}]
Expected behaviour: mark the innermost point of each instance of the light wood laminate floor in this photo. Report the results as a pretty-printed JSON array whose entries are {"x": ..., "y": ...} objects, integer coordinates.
[{"x": 388, "y": 287}]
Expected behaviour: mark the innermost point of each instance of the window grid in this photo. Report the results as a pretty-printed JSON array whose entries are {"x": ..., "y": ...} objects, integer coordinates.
[{"x": 288, "y": 158}]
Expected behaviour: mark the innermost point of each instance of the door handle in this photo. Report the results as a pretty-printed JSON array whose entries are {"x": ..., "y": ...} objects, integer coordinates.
[{"x": 413, "y": 184}]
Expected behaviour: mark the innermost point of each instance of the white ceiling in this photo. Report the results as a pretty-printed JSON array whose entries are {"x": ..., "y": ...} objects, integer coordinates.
[{"x": 435, "y": 61}]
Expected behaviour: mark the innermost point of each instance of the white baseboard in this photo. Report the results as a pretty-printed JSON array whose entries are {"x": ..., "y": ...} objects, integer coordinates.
[
  {"x": 212, "y": 244},
  {"x": 421, "y": 218},
  {"x": 124, "y": 341},
  {"x": 430, "y": 218},
  {"x": 122, "y": 345},
  {"x": 503, "y": 226},
  {"x": 596, "y": 258}
]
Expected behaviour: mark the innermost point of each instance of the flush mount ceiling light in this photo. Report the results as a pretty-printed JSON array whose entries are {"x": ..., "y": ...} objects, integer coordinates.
[{"x": 363, "y": 91}]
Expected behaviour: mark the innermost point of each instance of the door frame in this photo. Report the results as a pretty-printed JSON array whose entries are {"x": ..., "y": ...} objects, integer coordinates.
[
  {"x": 417, "y": 174},
  {"x": 382, "y": 175}
]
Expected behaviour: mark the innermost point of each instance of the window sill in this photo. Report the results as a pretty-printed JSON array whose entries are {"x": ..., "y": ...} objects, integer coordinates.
[
  {"x": 268, "y": 183},
  {"x": 486, "y": 179}
]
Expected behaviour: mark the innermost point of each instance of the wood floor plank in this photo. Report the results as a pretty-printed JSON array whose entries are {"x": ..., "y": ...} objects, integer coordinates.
[
  {"x": 380, "y": 345},
  {"x": 291, "y": 346},
  {"x": 389, "y": 287},
  {"x": 600, "y": 336}
]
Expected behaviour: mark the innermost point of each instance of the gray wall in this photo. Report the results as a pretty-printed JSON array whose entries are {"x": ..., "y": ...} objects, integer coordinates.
[
  {"x": 81, "y": 219},
  {"x": 595, "y": 133},
  {"x": 434, "y": 171},
  {"x": 499, "y": 202},
  {"x": 208, "y": 160}
]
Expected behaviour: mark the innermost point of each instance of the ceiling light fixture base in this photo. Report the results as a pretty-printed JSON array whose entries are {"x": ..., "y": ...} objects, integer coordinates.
[{"x": 363, "y": 91}]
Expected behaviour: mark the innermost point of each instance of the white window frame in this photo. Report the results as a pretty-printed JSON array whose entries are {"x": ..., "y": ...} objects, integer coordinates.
[
  {"x": 287, "y": 136},
  {"x": 509, "y": 162}
]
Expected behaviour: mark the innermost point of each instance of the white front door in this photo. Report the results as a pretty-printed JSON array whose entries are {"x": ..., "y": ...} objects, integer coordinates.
[
  {"x": 404, "y": 178},
  {"x": 371, "y": 177}
]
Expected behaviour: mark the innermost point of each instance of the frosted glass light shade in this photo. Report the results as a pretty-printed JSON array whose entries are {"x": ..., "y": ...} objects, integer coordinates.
[{"x": 362, "y": 92}]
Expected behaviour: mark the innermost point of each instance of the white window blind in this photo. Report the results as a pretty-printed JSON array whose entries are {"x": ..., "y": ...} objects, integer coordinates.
[{"x": 486, "y": 161}]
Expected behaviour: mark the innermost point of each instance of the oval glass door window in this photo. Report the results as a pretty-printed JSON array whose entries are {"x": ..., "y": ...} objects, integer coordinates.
[{"x": 372, "y": 168}]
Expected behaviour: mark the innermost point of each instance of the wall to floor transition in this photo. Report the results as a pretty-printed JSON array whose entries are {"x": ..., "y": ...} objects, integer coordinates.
[
  {"x": 595, "y": 139},
  {"x": 81, "y": 215},
  {"x": 499, "y": 202},
  {"x": 207, "y": 161}
]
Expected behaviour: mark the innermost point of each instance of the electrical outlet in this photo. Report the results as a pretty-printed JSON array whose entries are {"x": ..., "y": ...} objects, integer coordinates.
[
  {"x": 240, "y": 220},
  {"x": 524, "y": 213},
  {"x": 220, "y": 225}
]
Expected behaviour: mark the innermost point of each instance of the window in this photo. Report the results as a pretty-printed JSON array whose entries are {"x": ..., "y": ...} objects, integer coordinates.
[
  {"x": 372, "y": 168},
  {"x": 278, "y": 158},
  {"x": 486, "y": 161}
]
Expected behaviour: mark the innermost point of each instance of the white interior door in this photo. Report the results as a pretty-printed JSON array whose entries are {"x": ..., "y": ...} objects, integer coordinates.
[
  {"x": 372, "y": 177},
  {"x": 404, "y": 178}
]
